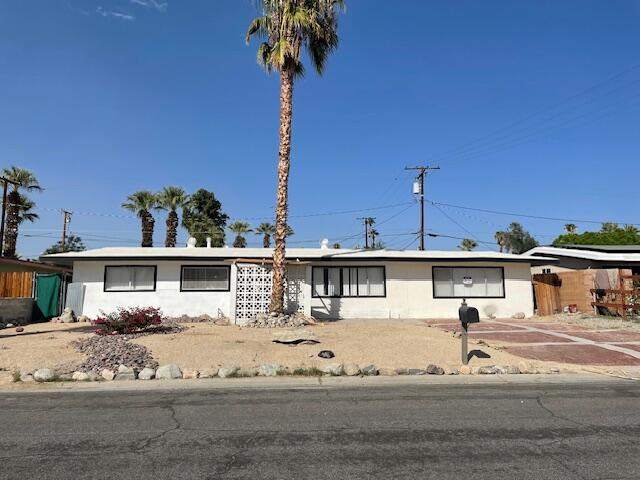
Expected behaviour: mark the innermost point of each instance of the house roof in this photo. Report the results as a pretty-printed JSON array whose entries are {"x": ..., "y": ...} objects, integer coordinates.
[
  {"x": 31, "y": 265},
  {"x": 584, "y": 254},
  {"x": 605, "y": 248},
  {"x": 295, "y": 254}
]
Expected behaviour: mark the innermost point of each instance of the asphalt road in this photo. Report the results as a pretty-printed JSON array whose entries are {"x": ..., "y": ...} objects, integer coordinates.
[{"x": 515, "y": 432}]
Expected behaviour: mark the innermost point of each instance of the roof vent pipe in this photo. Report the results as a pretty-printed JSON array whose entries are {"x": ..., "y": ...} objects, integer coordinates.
[
  {"x": 191, "y": 243},
  {"x": 324, "y": 243},
  {"x": 208, "y": 242}
]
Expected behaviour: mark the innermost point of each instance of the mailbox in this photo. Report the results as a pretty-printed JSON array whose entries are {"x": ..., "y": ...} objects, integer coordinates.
[{"x": 468, "y": 314}]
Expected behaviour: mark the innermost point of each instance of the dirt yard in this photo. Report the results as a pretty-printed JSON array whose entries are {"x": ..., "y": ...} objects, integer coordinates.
[{"x": 391, "y": 344}]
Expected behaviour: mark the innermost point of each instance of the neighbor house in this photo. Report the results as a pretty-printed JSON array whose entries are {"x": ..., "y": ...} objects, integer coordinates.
[
  {"x": 582, "y": 257},
  {"x": 326, "y": 283}
]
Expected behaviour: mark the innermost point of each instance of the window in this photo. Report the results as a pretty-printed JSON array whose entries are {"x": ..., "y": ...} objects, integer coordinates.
[
  {"x": 468, "y": 282},
  {"x": 129, "y": 279},
  {"x": 349, "y": 282},
  {"x": 204, "y": 279}
]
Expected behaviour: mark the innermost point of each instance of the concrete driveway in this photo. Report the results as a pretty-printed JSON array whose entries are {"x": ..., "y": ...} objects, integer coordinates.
[{"x": 555, "y": 342}]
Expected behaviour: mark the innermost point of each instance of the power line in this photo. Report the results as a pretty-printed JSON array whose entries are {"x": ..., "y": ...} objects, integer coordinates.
[{"x": 524, "y": 215}]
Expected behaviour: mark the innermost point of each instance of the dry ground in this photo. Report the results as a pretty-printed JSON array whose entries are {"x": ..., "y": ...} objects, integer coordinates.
[{"x": 386, "y": 343}]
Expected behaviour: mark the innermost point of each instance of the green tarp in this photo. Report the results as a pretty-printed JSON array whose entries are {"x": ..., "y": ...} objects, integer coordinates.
[{"x": 47, "y": 296}]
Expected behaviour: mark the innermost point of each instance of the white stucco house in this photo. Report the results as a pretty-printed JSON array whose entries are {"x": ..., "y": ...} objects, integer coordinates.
[{"x": 326, "y": 283}]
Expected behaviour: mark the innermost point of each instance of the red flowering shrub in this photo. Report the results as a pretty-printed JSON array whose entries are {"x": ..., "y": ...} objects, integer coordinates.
[{"x": 128, "y": 320}]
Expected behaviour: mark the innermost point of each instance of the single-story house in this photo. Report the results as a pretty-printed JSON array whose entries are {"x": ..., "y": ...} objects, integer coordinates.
[
  {"x": 326, "y": 283},
  {"x": 583, "y": 257}
]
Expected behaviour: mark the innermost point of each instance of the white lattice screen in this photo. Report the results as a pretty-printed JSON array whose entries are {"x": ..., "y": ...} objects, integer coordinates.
[{"x": 253, "y": 290}]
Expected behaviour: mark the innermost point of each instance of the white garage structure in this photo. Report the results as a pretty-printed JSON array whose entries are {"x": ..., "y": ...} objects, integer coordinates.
[{"x": 325, "y": 283}]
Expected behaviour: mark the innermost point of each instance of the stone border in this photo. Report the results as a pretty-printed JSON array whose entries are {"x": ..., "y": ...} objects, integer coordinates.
[{"x": 174, "y": 372}]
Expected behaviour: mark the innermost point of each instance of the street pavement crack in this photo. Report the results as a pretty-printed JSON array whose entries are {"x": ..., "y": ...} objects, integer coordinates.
[
  {"x": 555, "y": 415},
  {"x": 148, "y": 442}
]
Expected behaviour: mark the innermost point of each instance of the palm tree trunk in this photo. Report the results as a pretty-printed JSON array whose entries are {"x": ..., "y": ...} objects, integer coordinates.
[
  {"x": 147, "y": 229},
  {"x": 172, "y": 229},
  {"x": 282, "y": 196},
  {"x": 266, "y": 241},
  {"x": 11, "y": 225}
]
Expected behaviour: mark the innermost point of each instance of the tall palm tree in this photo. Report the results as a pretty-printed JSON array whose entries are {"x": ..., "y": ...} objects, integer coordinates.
[
  {"x": 288, "y": 27},
  {"x": 570, "y": 228},
  {"x": 373, "y": 233},
  {"x": 266, "y": 230},
  {"x": 467, "y": 245},
  {"x": 142, "y": 203},
  {"x": 170, "y": 199},
  {"x": 240, "y": 229},
  {"x": 22, "y": 180}
]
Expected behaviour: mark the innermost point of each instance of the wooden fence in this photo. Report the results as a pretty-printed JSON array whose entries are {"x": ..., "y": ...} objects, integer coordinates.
[
  {"x": 16, "y": 284},
  {"x": 546, "y": 287}
]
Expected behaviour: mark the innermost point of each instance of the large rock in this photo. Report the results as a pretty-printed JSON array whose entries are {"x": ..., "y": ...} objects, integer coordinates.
[
  {"x": 26, "y": 377},
  {"x": 108, "y": 374},
  {"x": 465, "y": 370},
  {"x": 370, "y": 370},
  {"x": 125, "y": 373},
  {"x": 147, "y": 374},
  {"x": 269, "y": 370},
  {"x": 418, "y": 371},
  {"x": 67, "y": 316},
  {"x": 80, "y": 377},
  {"x": 334, "y": 369},
  {"x": 434, "y": 369},
  {"x": 387, "y": 372},
  {"x": 190, "y": 373},
  {"x": 298, "y": 335},
  {"x": 94, "y": 377},
  {"x": 226, "y": 372},
  {"x": 208, "y": 372},
  {"x": 168, "y": 372},
  {"x": 519, "y": 316},
  {"x": 351, "y": 369},
  {"x": 44, "y": 375},
  {"x": 488, "y": 370}
]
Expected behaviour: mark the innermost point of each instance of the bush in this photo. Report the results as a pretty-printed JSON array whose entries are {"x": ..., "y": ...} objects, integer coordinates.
[{"x": 128, "y": 320}]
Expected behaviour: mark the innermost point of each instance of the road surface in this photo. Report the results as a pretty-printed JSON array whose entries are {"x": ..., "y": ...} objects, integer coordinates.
[{"x": 515, "y": 431}]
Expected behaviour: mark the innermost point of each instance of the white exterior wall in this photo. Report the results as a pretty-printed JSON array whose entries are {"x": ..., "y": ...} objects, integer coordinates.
[
  {"x": 167, "y": 296},
  {"x": 410, "y": 294}
]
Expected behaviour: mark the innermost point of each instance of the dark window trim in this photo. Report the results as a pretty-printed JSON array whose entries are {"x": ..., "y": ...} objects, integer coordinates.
[
  {"x": 326, "y": 281},
  {"x": 433, "y": 282},
  {"x": 227, "y": 267},
  {"x": 155, "y": 278}
]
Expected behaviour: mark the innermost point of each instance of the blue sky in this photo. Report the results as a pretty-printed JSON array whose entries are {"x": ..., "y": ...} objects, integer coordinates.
[{"x": 528, "y": 107}]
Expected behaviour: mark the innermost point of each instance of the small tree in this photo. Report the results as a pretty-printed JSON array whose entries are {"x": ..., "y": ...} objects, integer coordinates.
[
  {"x": 240, "y": 229},
  {"x": 203, "y": 217},
  {"x": 516, "y": 240},
  {"x": 73, "y": 243},
  {"x": 467, "y": 245}
]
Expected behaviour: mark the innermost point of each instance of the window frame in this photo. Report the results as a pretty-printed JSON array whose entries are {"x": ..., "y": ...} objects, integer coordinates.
[
  {"x": 155, "y": 278},
  {"x": 314, "y": 294},
  {"x": 433, "y": 282},
  {"x": 226, "y": 267}
]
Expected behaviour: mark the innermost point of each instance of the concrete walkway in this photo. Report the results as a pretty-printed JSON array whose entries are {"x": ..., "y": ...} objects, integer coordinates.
[{"x": 556, "y": 342}]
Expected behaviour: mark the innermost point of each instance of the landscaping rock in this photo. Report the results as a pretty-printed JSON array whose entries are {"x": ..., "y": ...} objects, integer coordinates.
[
  {"x": 19, "y": 329},
  {"x": 554, "y": 370},
  {"x": 269, "y": 370},
  {"x": 147, "y": 374},
  {"x": 83, "y": 319},
  {"x": 80, "y": 377},
  {"x": 67, "y": 316},
  {"x": 190, "y": 373},
  {"x": 168, "y": 372},
  {"x": 519, "y": 316},
  {"x": 526, "y": 367},
  {"x": 248, "y": 372},
  {"x": 400, "y": 371},
  {"x": 108, "y": 374},
  {"x": 226, "y": 372},
  {"x": 351, "y": 369},
  {"x": 488, "y": 370},
  {"x": 125, "y": 373},
  {"x": 44, "y": 375},
  {"x": 297, "y": 336},
  {"x": 111, "y": 351},
  {"x": 465, "y": 370},
  {"x": 10, "y": 325},
  {"x": 208, "y": 372},
  {"x": 513, "y": 370},
  {"x": 388, "y": 372},
  {"x": 418, "y": 371},
  {"x": 326, "y": 354},
  {"x": 434, "y": 369},
  {"x": 334, "y": 369},
  {"x": 65, "y": 377},
  {"x": 370, "y": 370},
  {"x": 451, "y": 371},
  {"x": 275, "y": 320},
  {"x": 26, "y": 377}
]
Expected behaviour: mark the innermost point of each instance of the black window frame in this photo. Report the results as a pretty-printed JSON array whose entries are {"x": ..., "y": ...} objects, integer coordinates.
[
  {"x": 227, "y": 267},
  {"x": 155, "y": 278},
  {"x": 433, "y": 282},
  {"x": 314, "y": 294}
]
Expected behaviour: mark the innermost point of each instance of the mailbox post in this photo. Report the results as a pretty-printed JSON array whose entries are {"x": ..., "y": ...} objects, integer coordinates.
[{"x": 467, "y": 315}]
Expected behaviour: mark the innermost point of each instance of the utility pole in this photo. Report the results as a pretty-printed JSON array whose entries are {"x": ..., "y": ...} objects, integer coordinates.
[
  {"x": 65, "y": 222},
  {"x": 420, "y": 179},
  {"x": 5, "y": 184},
  {"x": 368, "y": 221}
]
